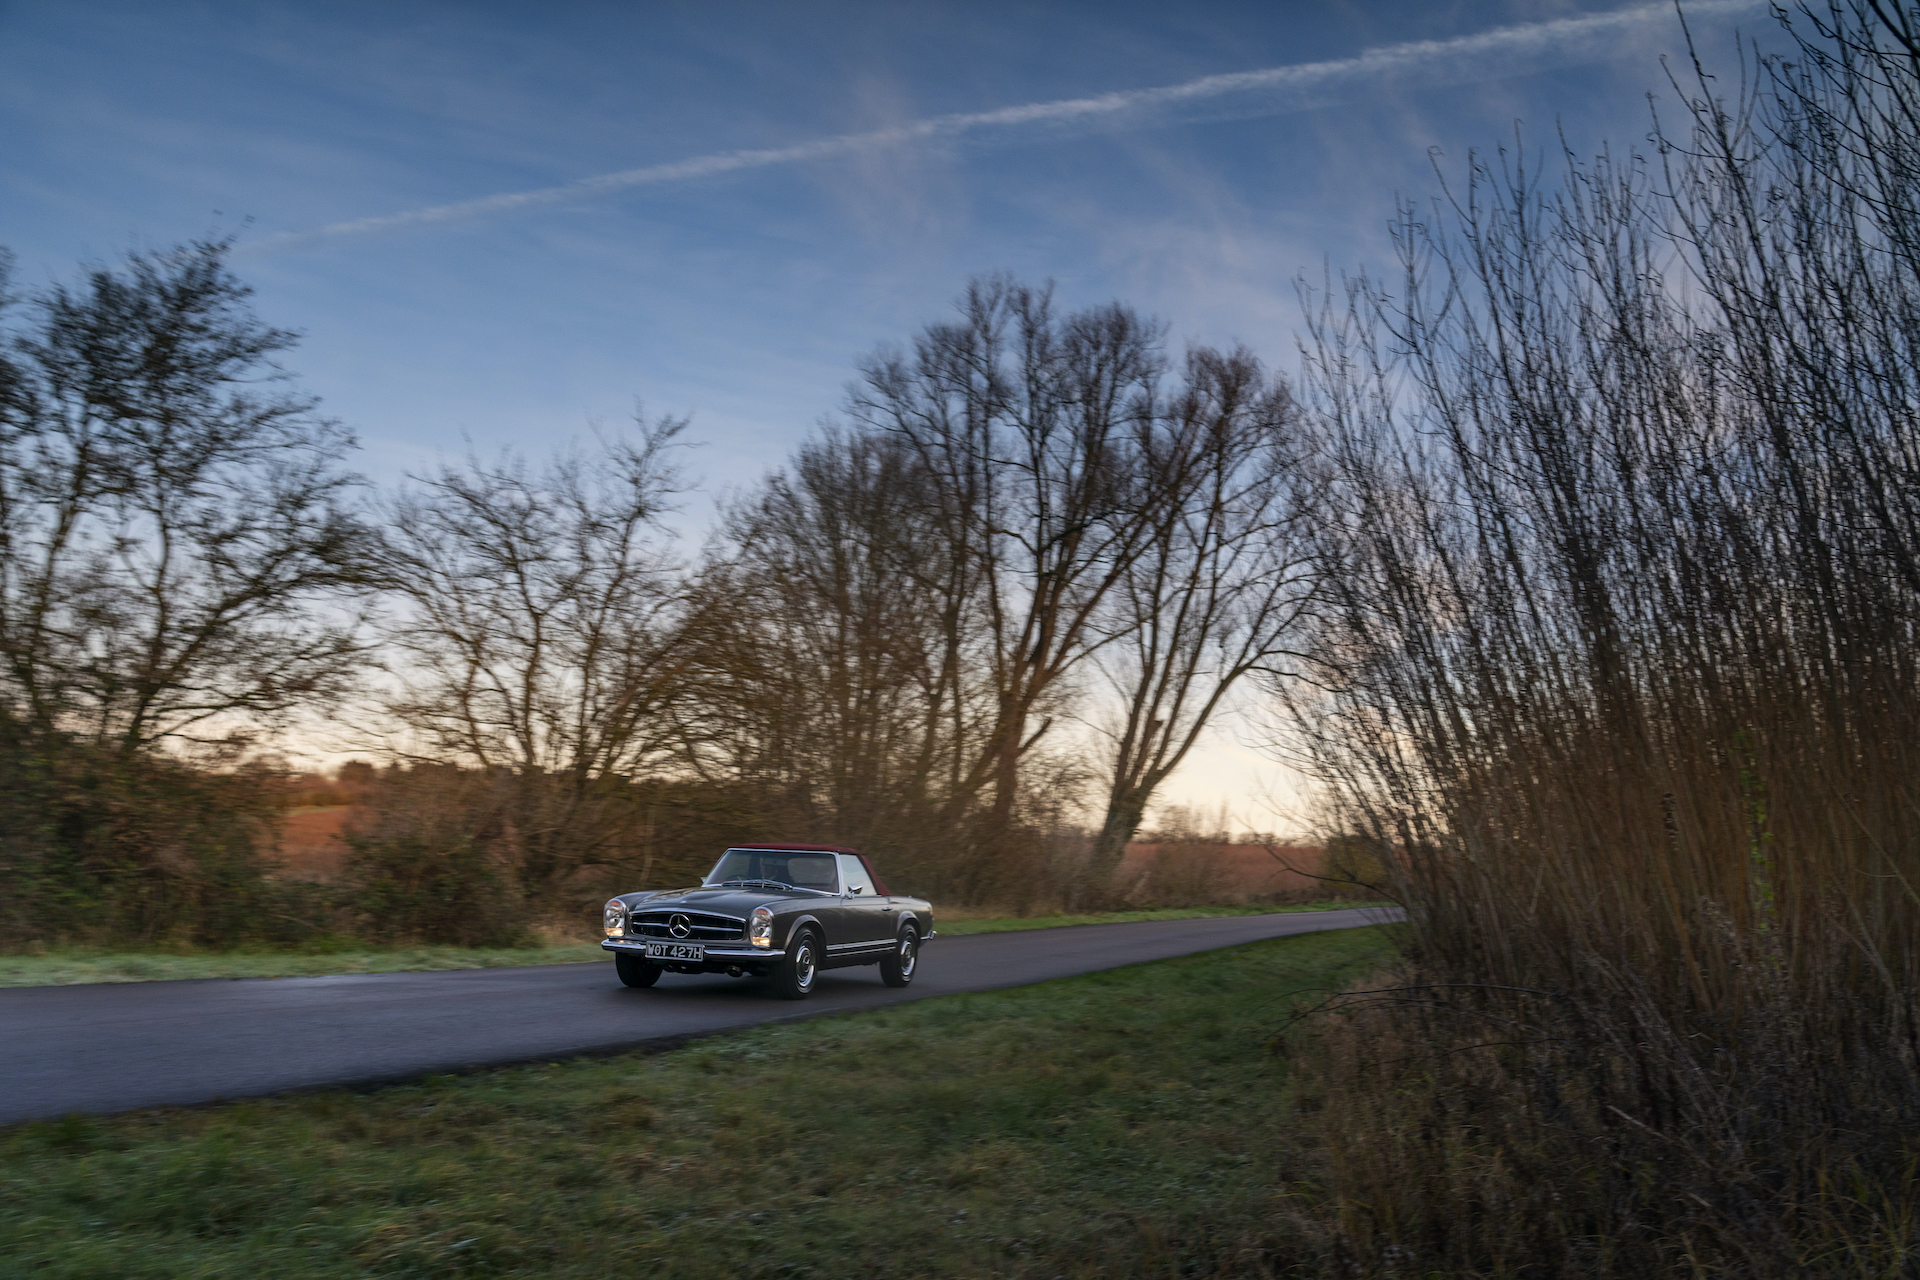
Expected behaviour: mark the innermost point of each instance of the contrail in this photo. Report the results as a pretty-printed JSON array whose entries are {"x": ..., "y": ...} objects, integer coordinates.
[{"x": 1242, "y": 94}]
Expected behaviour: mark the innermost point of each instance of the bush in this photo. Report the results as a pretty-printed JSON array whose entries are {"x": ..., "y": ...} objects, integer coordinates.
[
  {"x": 432, "y": 860},
  {"x": 113, "y": 849},
  {"x": 409, "y": 889}
]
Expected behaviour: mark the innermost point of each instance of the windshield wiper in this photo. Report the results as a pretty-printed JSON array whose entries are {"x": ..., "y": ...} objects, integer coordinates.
[{"x": 756, "y": 884}]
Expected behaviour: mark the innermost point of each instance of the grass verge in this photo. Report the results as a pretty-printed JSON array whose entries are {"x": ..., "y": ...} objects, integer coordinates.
[
  {"x": 68, "y": 965},
  {"x": 1125, "y": 1123}
]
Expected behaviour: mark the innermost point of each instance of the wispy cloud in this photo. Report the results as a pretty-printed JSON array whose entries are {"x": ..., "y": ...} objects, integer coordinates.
[{"x": 1241, "y": 94}]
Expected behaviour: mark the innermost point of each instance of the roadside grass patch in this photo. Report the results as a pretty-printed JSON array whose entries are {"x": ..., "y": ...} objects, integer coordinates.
[
  {"x": 66, "y": 965},
  {"x": 1127, "y": 1123},
  {"x": 63, "y": 966}
]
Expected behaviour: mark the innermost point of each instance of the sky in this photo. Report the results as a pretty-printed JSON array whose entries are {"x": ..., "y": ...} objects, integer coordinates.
[{"x": 499, "y": 223}]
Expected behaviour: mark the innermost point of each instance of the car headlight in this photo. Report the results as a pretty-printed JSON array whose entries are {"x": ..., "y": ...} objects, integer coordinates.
[
  {"x": 615, "y": 918},
  {"x": 760, "y": 927}
]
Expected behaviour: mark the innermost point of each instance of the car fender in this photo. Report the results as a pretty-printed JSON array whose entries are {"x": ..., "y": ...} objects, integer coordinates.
[{"x": 800, "y": 922}]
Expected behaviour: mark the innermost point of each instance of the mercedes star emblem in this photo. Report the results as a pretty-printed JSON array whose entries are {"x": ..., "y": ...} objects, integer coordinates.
[{"x": 679, "y": 926}]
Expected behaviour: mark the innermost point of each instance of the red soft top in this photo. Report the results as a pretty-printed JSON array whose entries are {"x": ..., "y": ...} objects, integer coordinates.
[
  {"x": 879, "y": 885},
  {"x": 799, "y": 848}
]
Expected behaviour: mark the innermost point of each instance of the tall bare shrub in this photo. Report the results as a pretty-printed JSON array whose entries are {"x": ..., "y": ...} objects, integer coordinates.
[{"x": 1621, "y": 666}]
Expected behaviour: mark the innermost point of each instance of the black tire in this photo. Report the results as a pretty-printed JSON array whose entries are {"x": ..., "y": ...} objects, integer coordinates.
[
  {"x": 799, "y": 968},
  {"x": 635, "y": 971},
  {"x": 896, "y": 970}
]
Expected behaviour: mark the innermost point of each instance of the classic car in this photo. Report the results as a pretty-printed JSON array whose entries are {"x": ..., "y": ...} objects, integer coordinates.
[{"x": 780, "y": 910}]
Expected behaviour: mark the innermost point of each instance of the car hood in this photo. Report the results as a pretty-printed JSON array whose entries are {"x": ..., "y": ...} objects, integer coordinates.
[{"x": 732, "y": 902}]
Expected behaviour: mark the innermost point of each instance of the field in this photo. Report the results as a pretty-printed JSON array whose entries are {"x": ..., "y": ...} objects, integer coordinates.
[{"x": 1127, "y": 1123}]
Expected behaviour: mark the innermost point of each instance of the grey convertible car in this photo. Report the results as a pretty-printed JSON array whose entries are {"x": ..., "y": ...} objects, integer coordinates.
[{"x": 785, "y": 910}]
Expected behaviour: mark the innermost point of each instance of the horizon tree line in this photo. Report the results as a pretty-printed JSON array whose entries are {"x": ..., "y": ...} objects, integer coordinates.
[{"x": 1032, "y": 560}]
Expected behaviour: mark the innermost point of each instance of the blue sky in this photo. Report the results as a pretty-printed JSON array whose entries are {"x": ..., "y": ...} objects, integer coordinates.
[{"x": 743, "y": 297}]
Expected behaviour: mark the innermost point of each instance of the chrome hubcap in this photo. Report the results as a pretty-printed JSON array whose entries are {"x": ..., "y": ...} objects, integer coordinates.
[
  {"x": 803, "y": 965},
  {"x": 908, "y": 954}
]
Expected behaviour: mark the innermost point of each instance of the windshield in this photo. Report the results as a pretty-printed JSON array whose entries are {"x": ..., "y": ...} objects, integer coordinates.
[{"x": 775, "y": 866}]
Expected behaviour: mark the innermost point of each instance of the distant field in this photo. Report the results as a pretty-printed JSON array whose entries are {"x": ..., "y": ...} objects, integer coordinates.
[
  {"x": 69, "y": 965},
  {"x": 1126, "y": 1123}
]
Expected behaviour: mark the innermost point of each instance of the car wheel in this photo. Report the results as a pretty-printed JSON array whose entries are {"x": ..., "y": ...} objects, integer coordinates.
[
  {"x": 798, "y": 969},
  {"x": 636, "y": 972},
  {"x": 897, "y": 969}
]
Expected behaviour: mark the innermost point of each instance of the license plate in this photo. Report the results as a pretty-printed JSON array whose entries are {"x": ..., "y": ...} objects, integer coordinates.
[{"x": 696, "y": 951}]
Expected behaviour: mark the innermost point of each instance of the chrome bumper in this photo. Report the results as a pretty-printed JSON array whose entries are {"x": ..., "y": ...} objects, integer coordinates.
[{"x": 719, "y": 951}]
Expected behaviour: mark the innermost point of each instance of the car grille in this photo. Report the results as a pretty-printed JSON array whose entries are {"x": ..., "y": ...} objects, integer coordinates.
[{"x": 702, "y": 926}]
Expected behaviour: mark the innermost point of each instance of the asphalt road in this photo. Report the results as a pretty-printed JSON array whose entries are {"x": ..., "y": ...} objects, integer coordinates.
[{"x": 114, "y": 1047}]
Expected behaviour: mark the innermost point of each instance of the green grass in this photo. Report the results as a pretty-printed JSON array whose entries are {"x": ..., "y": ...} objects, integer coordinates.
[
  {"x": 1127, "y": 1123},
  {"x": 67, "y": 965}
]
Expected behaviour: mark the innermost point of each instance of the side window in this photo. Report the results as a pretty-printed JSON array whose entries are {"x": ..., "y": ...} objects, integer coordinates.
[
  {"x": 810, "y": 871},
  {"x": 854, "y": 876}
]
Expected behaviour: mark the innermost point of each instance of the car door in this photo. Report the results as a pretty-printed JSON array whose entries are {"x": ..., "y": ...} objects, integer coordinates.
[
  {"x": 869, "y": 916},
  {"x": 821, "y": 872}
]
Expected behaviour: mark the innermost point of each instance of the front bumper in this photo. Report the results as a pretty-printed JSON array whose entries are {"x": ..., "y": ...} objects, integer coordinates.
[{"x": 720, "y": 955}]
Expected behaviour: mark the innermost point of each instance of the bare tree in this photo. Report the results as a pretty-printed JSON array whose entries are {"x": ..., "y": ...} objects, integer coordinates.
[
  {"x": 177, "y": 558},
  {"x": 1221, "y": 584},
  {"x": 536, "y": 636},
  {"x": 826, "y": 675},
  {"x": 1029, "y": 432}
]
